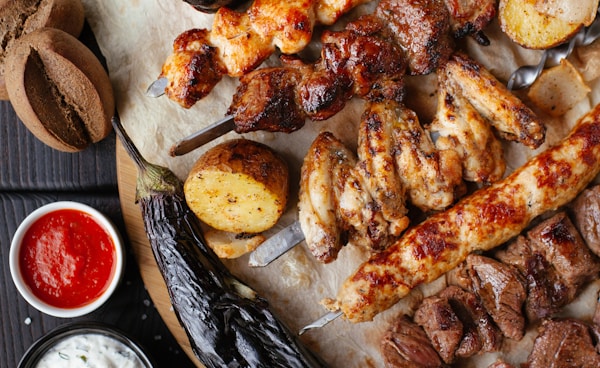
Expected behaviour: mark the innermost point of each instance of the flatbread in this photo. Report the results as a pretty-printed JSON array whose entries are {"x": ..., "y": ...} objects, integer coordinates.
[{"x": 136, "y": 37}]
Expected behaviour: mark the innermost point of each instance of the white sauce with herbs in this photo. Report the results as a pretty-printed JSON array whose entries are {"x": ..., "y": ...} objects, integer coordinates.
[{"x": 90, "y": 351}]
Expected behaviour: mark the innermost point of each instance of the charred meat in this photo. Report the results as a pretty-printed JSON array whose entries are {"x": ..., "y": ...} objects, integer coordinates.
[
  {"x": 406, "y": 345},
  {"x": 570, "y": 343}
]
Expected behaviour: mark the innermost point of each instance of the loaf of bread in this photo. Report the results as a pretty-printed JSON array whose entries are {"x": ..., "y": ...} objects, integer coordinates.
[
  {"x": 21, "y": 17},
  {"x": 59, "y": 89}
]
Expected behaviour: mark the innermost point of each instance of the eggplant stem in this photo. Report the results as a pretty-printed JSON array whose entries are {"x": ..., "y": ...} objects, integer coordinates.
[
  {"x": 131, "y": 149},
  {"x": 152, "y": 179}
]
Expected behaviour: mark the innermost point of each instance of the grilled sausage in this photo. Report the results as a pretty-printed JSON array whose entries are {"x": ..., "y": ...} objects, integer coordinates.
[{"x": 481, "y": 221}]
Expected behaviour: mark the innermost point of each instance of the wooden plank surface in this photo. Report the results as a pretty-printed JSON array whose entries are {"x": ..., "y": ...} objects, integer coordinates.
[{"x": 127, "y": 176}]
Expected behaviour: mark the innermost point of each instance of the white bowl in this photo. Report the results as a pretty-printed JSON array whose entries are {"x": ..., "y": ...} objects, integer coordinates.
[{"x": 26, "y": 290}]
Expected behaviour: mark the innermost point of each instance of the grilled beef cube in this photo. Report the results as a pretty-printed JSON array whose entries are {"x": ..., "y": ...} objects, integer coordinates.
[
  {"x": 502, "y": 291},
  {"x": 563, "y": 343},
  {"x": 266, "y": 100},
  {"x": 586, "y": 217},
  {"x": 442, "y": 326},
  {"x": 406, "y": 345},
  {"x": 555, "y": 262},
  {"x": 564, "y": 249},
  {"x": 479, "y": 331},
  {"x": 422, "y": 27}
]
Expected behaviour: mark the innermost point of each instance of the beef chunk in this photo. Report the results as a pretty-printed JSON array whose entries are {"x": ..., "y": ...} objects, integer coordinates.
[
  {"x": 441, "y": 324},
  {"x": 502, "y": 291},
  {"x": 422, "y": 27},
  {"x": 562, "y": 344},
  {"x": 586, "y": 216},
  {"x": 479, "y": 331},
  {"x": 562, "y": 246},
  {"x": 406, "y": 345},
  {"x": 555, "y": 262}
]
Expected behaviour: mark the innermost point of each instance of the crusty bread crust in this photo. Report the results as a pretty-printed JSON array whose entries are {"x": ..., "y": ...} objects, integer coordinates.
[
  {"x": 19, "y": 18},
  {"x": 59, "y": 89}
]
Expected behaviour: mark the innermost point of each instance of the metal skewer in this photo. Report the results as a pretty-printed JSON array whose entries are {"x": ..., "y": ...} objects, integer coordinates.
[
  {"x": 321, "y": 322},
  {"x": 524, "y": 76}
]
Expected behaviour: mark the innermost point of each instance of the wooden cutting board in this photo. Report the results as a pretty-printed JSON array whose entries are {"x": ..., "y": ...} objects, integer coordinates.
[{"x": 126, "y": 177}]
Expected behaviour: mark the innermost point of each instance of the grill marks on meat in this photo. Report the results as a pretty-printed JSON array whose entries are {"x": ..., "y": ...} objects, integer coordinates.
[
  {"x": 481, "y": 221},
  {"x": 502, "y": 291},
  {"x": 564, "y": 343},
  {"x": 406, "y": 345},
  {"x": 510, "y": 116},
  {"x": 336, "y": 206},
  {"x": 240, "y": 41},
  {"x": 461, "y": 321},
  {"x": 462, "y": 129},
  {"x": 357, "y": 61},
  {"x": 586, "y": 216},
  {"x": 555, "y": 263},
  {"x": 457, "y": 324},
  {"x": 420, "y": 30},
  {"x": 432, "y": 177}
]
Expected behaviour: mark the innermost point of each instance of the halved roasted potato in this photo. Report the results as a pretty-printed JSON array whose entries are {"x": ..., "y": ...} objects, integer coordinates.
[
  {"x": 525, "y": 24},
  {"x": 239, "y": 186}
]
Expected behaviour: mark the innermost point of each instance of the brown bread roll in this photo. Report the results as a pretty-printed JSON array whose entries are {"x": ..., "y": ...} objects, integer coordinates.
[
  {"x": 21, "y": 17},
  {"x": 59, "y": 89}
]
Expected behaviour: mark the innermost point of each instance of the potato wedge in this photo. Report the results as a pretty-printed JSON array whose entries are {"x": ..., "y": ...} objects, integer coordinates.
[
  {"x": 239, "y": 186},
  {"x": 558, "y": 89},
  {"x": 528, "y": 27}
]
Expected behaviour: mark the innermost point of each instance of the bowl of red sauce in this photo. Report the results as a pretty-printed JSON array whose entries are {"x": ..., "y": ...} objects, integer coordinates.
[{"x": 66, "y": 259}]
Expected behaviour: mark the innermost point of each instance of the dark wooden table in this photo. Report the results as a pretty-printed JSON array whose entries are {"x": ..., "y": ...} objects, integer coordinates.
[{"x": 32, "y": 174}]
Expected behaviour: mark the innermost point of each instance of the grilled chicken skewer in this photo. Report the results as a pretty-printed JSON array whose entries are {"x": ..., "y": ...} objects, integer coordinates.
[
  {"x": 482, "y": 221},
  {"x": 240, "y": 42}
]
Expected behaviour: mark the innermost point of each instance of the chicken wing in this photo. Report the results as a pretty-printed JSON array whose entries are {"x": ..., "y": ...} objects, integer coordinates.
[{"x": 462, "y": 129}]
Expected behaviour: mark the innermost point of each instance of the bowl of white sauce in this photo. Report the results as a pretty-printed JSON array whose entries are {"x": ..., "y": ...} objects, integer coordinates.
[{"x": 86, "y": 344}]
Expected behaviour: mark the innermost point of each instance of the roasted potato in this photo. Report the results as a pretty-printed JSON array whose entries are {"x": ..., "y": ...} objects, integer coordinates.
[
  {"x": 524, "y": 23},
  {"x": 231, "y": 245},
  {"x": 239, "y": 186}
]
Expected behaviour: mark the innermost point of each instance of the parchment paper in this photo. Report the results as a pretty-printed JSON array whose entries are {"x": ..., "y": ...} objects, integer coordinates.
[{"x": 136, "y": 37}]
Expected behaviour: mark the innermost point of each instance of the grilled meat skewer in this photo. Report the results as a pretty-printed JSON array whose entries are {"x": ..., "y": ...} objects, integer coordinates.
[
  {"x": 240, "y": 42},
  {"x": 481, "y": 221}
]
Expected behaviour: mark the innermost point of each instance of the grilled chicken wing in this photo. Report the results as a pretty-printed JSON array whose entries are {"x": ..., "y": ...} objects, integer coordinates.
[
  {"x": 462, "y": 129},
  {"x": 481, "y": 221},
  {"x": 323, "y": 175},
  {"x": 377, "y": 165},
  {"x": 335, "y": 205},
  {"x": 432, "y": 178},
  {"x": 509, "y": 115}
]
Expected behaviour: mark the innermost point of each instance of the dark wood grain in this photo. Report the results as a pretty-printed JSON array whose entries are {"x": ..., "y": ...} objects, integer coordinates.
[{"x": 32, "y": 174}]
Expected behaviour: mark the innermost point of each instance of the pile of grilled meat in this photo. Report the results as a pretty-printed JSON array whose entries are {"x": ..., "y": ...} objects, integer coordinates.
[{"x": 495, "y": 296}]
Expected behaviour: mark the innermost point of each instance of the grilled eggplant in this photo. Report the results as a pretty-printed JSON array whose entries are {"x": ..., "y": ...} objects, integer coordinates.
[{"x": 227, "y": 323}]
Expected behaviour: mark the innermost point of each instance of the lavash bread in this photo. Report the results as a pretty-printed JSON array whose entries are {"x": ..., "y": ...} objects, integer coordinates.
[
  {"x": 59, "y": 89},
  {"x": 21, "y": 17}
]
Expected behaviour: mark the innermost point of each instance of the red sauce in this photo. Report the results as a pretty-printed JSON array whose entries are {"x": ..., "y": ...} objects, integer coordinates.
[{"x": 67, "y": 258}]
